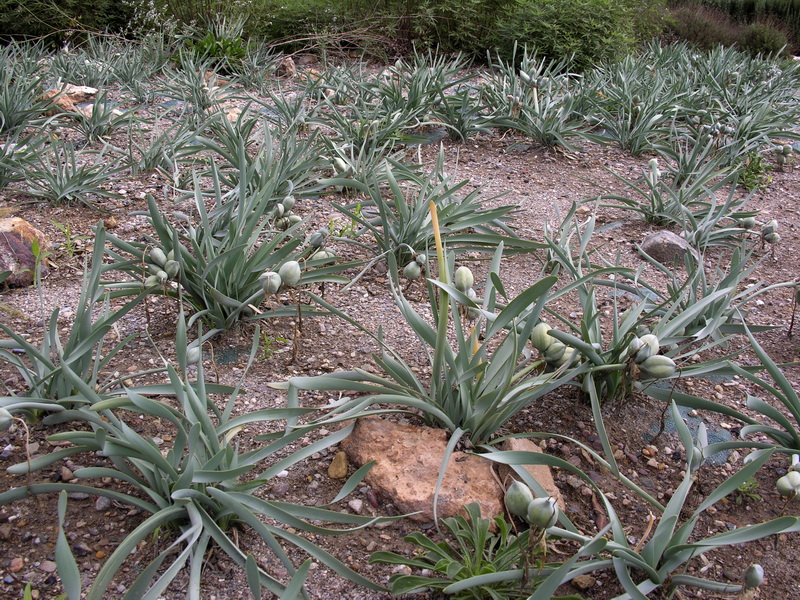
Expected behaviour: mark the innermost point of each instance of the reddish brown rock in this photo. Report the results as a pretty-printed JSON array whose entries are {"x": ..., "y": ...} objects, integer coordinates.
[
  {"x": 16, "y": 253},
  {"x": 407, "y": 463},
  {"x": 65, "y": 99},
  {"x": 287, "y": 68},
  {"x": 540, "y": 473}
]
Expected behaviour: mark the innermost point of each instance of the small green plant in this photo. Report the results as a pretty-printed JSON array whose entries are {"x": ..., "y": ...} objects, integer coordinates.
[
  {"x": 474, "y": 551},
  {"x": 268, "y": 343},
  {"x": 70, "y": 241},
  {"x": 747, "y": 491},
  {"x": 221, "y": 44},
  {"x": 754, "y": 172},
  {"x": 659, "y": 559}
]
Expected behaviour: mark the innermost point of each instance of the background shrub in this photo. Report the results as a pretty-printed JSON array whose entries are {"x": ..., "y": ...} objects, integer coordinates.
[
  {"x": 703, "y": 26},
  {"x": 782, "y": 14},
  {"x": 560, "y": 28},
  {"x": 52, "y": 18},
  {"x": 763, "y": 38}
]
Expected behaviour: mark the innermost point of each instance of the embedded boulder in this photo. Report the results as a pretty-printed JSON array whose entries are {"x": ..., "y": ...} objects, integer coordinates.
[
  {"x": 407, "y": 464},
  {"x": 66, "y": 98},
  {"x": 667, "y": 248},
  {"x": 16, "y": 250}
]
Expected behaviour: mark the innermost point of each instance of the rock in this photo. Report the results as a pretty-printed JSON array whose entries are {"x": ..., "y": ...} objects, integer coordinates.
[
  {"x": 102, "y": 503},
  {"x": 5, "y": 531},
  {"x": 233, "y": 114},
  {"x": 87, "y": 111},
  {"x": 48, "y": 566},
  {"x": 338, "y": 467},
  {"x": 16, "y": 564},
  {"x": 287, "y": 68},
  {"x": 16, "y": 253},
  {"x": 67, "y": 474},
  {"x": 541, "y": 473},
  {"x": 356, "y": 505},
  {"x": 280, "y": 489},
  {"x": 65, "y": 98},
  {"x": 407, "y": 463},
  {"x": 584, "y": 582},
  {"x": 667, "y": 248}
]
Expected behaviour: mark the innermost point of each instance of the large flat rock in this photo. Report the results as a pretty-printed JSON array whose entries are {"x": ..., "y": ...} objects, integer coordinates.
[{"x": 407, "y": 463}]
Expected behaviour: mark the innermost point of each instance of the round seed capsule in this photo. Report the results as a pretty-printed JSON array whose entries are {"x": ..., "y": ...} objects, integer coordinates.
[
  {"x": 290, "y": 273},
  {"x": 517, "y": 498},
  {"x": 753, "y": 577},
  {"x": 543, "y": 512},
  {"x": 412, "y": 270},
  {"x": 463, "y": 279},
  {"x": 5, "y": 419},
  {"x": 270, "y": 282}
]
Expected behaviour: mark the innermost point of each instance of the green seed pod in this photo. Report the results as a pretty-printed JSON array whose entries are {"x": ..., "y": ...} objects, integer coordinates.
[
  {"x": 555, "y": 352},
  {"x": 697, "y": 459},
  {"x": 279, "y": 210},
  {"x": 789, "y": 485},
  {"x": 288, "y": 203},
  {"x": 655, "y": 173},
  {"x": 290, "y": 273},
  {"x": 747, "y": 222},
  {"x": 340, "y": 167},
  {"x": 192, "y": 355},
  {"x": 649, "y": 347},
  {"x": 323, "y": 254},
  {"x": 633, "y": 346},
  {"x": 5, "y": 419},
  {"x": 540, "y": 337},
  {"x": 151, "y": 281},
  {"x": 421, "y": 259},
  {"x": 162, "y": 276},
  {"x": 270, "y": 282},
  {"x": 659, "y": 366},
  {"x": 524, "y": 76},
  {"x": 412, "y": 270},
  {"x": 543, "y": 512},
  {"x": 472, "y": 313},
  {"x": 318, "y": 239},
  {"x": 282, "y": 224},
  {"x": 172, "y": 267},
  {"x": 769, "y": 228},
  {"x": 463, "y": 279},
  {"x": 566, "y": 358},
  {"x": 157, "y": 257},
  {"x": 517, "y": 498},
  {"x": 772, "y": 238},
  {"x": 781, "y": 159},
  {"x": 293, "y": 219},
  {"x": 753, "y": 577},
  {"x": 786, "y": 150},
  {"x": 171, "y": 255}
]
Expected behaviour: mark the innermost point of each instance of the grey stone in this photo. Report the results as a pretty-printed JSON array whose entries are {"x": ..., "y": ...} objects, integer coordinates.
[{"x": 667, "y": 248}]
